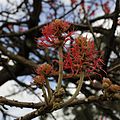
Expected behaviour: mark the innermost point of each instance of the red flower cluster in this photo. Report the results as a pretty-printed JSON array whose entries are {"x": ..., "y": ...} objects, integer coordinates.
[
  {"x": 53, "y": 33},
  {"x": 39, "y": 79},
  {"x": 82, "y": 56},
  {"x": 42, "y": 71}
]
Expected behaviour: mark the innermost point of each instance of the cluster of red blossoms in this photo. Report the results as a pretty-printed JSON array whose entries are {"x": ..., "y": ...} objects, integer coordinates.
[
  {"x": 53, "y": 33},
  {"x": 80, "y": 56},
  {"x": 42, "y": 71}
]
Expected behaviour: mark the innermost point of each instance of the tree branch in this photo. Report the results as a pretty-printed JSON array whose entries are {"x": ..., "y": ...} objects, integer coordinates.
[
  {"x": 48, "y": 109},
  {"x": 4, "y": 101},
  {"x": 18, "y": 58}
]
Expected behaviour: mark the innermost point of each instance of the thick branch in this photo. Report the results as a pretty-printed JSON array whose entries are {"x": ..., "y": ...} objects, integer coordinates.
[
  {"x": 111, "y": 35},
  {"x": 4, "y": 101},
  {"x": 17, "y": 58},
  {"x": 49, "y": 109}
]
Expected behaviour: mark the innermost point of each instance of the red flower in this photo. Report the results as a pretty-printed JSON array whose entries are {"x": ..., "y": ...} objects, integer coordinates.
[
  {"x": 53, "y": 33},
  {"x": 106, "y": 7},
  {"x": 73, "y": 1},
  {"x": 82, "y": 56},
  {"x": 39, "y": 79},
  {"x": 44, "y": 69},
  {"x": 42, "y": 72}
]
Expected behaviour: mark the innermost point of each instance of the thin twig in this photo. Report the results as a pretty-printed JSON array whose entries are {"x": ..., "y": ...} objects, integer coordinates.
[
  {"x": 45, "y": 95},
  {"x": 80, "y": 82},
  {"x": 48, "y": 89},
  {"x": 60, "y": 69}
]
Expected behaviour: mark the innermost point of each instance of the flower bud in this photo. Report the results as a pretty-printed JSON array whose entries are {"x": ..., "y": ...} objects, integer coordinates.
[
  {"x": 39, "y": 79},
  {"x": 106, "y": 83},
  {"x": 114, "y": 88}
]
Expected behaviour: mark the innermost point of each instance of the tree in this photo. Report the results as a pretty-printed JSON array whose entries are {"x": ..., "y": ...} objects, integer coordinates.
[{"x": 46, "y": 39}]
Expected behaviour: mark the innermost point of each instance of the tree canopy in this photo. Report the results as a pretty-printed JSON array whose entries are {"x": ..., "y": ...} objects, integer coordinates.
[{"x": 73, "y": 44}]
